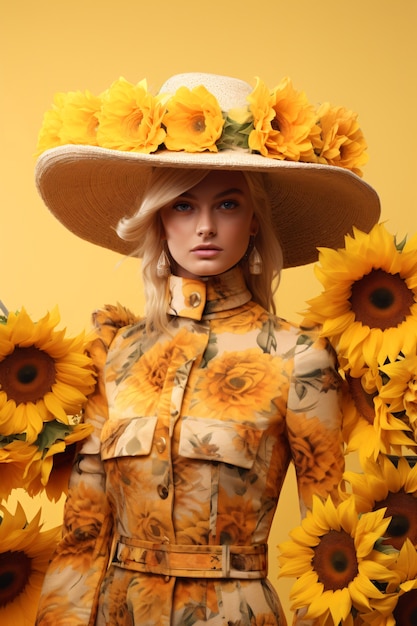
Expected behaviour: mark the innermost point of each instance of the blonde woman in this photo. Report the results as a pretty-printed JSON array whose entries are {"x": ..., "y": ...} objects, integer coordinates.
[{"x": 200, "y": 406}]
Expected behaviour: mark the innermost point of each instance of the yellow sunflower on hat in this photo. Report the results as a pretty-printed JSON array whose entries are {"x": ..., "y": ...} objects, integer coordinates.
[
  {"x": 368, "y": 308},
  {"x": 72, "y": 119}
]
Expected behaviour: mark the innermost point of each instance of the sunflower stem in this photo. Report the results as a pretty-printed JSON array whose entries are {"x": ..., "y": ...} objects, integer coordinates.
[{"x": 4, "y": 309}]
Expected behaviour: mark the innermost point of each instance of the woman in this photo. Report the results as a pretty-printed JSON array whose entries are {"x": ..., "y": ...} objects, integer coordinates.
[{"x": 201, "y": 406}]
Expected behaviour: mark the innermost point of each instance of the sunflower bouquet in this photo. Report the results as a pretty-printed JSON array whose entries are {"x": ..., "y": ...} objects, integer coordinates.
[
  {"x": 45, "y": 378},
  {"x": 368, "y": 310},
  {"x": 356, "y": 562}
]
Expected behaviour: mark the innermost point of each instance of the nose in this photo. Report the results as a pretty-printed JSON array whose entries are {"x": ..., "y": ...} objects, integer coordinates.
[{"x": 206, "y": 226}]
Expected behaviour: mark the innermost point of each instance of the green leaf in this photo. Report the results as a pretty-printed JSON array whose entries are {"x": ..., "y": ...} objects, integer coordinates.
[
  {"x": 6, "y": 439},
  {"x": 400, "y": 245},
  {"x": 51, "y": 433}
]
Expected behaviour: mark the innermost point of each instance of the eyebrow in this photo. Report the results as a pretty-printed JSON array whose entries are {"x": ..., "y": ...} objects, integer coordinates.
[{"x": 226, "y": 192}]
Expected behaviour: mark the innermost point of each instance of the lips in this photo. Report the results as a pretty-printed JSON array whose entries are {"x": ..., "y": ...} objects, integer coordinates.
[
  {"x": 208, "y": 247},
  {"x": 206, "y": 252}
]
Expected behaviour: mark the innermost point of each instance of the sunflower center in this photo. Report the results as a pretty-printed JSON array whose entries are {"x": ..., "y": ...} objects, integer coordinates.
[
  {"x": 335, "y": 560},
  {"x": 275, "y": 124},
  {"x": 405, "y": 613},
  {"x": 27, "y": 374},
  {"x": 133, "y": 121},
  {"x": 381, "y": 300},
  {"x": 401, "y": 507},
  {"x": 15, "y": 569},
  {"x": 199, "y": 124}
]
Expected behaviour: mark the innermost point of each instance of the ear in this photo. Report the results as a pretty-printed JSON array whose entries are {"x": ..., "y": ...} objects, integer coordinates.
[
  {"x": 254, "y": 225},
  {"x": 162, "y": 232}
]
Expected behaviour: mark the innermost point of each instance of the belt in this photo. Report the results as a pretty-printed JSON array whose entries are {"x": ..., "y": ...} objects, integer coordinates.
[{"x": 191, "y": 561}]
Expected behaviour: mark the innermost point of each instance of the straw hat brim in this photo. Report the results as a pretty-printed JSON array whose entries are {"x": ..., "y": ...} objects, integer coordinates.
[{"x": 89, "y": 189}]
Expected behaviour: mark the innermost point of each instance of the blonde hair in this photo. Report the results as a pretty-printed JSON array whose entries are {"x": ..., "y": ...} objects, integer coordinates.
[{"x": 145, "y": 228}]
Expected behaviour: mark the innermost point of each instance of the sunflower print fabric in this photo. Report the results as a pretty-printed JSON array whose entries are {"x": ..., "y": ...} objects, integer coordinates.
[{"x": 193, "y": 435}]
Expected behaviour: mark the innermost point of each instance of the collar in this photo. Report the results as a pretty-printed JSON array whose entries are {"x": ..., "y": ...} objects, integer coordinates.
[{"x": 197, "y": 298}]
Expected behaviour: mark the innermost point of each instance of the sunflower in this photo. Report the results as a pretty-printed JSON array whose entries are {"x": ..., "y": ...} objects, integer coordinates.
[
  {"x": 382, "y": 486},
  {"x": 44, "y": 465},
  {"x": 50, "y": 468},
  {"x": 24, "y": 557},
  {"x": 130, "y": 118},
  {"x": 43, "y": 375},
  {"x": 368, "y": 308},
  {"x": 15, "y": 458},
  {"x": 405, "y": 612},
  {"x": 332, "y": 555},
  {"x": 342, "y": 141},
  {"x": 400, "y": 391},
  {"x": 284, "y": 122},
  {"x": 193, "y": 121},
  {"x": 79, "y": 118},
  {"x": 410, "y": 404},
  {"x": 49, "y": 135},
  {"x": 368, "y": 425}
]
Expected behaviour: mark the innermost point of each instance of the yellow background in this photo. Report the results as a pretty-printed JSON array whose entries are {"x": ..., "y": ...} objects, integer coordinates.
[{"x": 358, "y": 53}]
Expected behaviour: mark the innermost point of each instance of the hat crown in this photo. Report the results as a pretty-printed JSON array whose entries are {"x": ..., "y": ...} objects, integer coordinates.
[{"x": 229, "y": 92}]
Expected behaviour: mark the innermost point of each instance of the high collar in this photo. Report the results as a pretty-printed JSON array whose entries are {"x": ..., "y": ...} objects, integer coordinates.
[{"x": 195, "y": 299}]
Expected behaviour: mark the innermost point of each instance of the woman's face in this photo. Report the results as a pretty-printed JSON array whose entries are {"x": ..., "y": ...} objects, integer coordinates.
[{"x": 208, "y": 227}]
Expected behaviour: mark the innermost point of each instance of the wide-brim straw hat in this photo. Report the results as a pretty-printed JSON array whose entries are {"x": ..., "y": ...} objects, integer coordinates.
[{"x": 89, "y": 188}]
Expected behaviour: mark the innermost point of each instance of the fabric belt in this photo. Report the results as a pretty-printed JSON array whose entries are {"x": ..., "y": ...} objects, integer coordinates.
[{"x": 191, "y": 561}]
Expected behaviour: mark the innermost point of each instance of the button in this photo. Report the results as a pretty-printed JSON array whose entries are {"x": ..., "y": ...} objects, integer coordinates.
[
  {"x": 162, "y": 491},
  {"x": 160, "y": 444},
  {"x": 195, "y": 299}
]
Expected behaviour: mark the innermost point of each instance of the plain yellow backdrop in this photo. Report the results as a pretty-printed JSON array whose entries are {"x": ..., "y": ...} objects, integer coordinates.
[{"x": 358, "y": 53}]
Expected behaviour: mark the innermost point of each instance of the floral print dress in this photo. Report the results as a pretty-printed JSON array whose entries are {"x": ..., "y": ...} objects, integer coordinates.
[{"x": 172, "y": 496}]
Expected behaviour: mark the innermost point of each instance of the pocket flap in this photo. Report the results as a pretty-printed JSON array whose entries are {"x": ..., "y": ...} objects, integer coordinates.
[
  {"x": 128, "y": 437},
  {"x": 235, "y": 443}
]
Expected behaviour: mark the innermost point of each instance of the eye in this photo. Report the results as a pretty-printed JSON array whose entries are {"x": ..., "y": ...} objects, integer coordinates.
[
  {"x": 182, "y": 207},
  {"x": 228, "y": 205}
]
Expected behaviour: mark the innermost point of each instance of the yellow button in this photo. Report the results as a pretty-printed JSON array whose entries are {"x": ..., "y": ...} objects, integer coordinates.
[
  {"x": 195, "y": 299},
  {"x": 160, "y": 444},
  {"x": 162, "y": 491}
]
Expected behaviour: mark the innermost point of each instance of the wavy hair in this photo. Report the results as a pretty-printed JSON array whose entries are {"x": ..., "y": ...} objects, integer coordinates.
[{"x": 145, "y": 228}]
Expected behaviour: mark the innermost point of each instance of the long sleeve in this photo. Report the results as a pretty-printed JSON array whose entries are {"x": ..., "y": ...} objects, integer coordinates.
[
  {"x": 314, "y": 419},
  {"x": 72, "y": 582}
]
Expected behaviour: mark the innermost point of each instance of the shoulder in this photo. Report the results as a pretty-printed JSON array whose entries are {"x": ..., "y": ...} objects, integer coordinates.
[
  {"x": 303, "y": 340},
  {"x": 314, "y": 351},
  {"x": 107, "y": 322}
]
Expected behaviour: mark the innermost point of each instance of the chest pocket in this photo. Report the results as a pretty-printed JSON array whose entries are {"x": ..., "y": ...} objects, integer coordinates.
[
  {"x": 234, "y": 443},
  {"x": 128, "y": 437}
]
